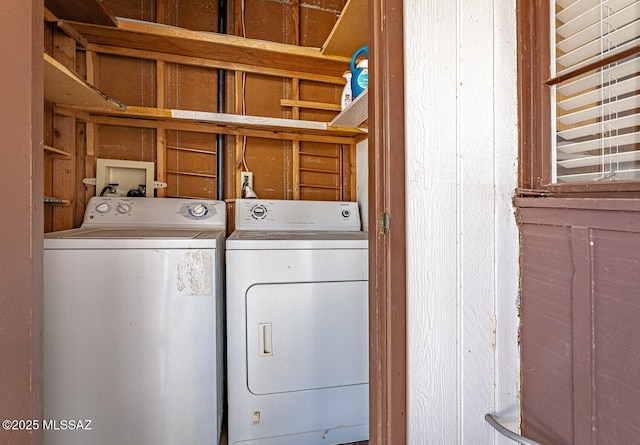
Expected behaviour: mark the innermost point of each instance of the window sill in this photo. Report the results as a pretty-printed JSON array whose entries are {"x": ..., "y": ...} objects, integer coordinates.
[{"x": 621, "y": 189}]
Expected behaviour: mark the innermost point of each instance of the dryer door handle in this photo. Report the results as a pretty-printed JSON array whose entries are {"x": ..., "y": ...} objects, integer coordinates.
[{"x": 265, "y": 340}]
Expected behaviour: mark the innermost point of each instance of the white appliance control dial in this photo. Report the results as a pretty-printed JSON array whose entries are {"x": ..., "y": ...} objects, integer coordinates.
[
  {"x": 198, "y": 210},
  {"x": 124, "y": 208},
  {"x": 102, "y": 207},
  {"x": 259, "y": 211}
]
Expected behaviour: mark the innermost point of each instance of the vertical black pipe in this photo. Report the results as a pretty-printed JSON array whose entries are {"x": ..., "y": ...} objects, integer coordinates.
[{"x": 220, "y": 146}]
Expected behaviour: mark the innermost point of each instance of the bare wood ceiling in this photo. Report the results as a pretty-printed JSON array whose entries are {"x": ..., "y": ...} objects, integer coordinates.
[{"x": 87, "y": 11}]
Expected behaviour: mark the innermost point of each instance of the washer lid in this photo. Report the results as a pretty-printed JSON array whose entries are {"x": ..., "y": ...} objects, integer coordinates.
[
  {"x": 134, "y": 238},
  {"x": 130, "y": 234}
]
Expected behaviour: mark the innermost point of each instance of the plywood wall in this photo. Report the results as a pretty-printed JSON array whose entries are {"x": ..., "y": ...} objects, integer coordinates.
[
  {"x": 187, "y": 160},
  {"x": 283, "y": 170},
  {"x": 61, "y": 133}
]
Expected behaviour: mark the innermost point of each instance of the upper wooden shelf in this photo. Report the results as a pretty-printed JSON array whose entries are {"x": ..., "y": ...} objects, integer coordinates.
[
  {"x": 230, "y": 52},
  {"x": 219, "y": 123},
  {"x": 63, "y": 86},
  {"x": 88, "y": 11},
  {"x": 350, "y": 31}
]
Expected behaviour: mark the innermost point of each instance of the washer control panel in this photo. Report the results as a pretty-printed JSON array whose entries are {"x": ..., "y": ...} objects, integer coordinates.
[
  {"x": 264, "y": 214},
  {"x": 154, "y": 212}
]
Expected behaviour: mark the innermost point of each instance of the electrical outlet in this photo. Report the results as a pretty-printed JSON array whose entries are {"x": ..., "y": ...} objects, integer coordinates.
[{"x": 246, "y": 177}]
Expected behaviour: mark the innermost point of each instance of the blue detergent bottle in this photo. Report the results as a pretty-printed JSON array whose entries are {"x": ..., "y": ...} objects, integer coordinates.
[{"x": 359, "y": 72}]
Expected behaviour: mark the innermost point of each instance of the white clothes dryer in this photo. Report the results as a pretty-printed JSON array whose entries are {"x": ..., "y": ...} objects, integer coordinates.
[
  {"x": 297, "y": 324},
  {"x": 133, "y": 324}
]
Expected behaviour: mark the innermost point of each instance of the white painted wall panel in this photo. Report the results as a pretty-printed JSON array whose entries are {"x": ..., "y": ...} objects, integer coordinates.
[
  {"x": 476, "y": 253},
  {"x": 507, "y": 298},
  {"x": 462, "y": 243},
  {"x": 432, "y": 227}
]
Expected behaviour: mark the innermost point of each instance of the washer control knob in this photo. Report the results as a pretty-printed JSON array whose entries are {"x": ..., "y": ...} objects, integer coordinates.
[
  {"x": 124, "y": 208},
  {"x": 259, "y": 212},
  {"x": 346, "y": 213},
  {"x": 102, "y": 207},
  {"x": 198, "y": 210}
]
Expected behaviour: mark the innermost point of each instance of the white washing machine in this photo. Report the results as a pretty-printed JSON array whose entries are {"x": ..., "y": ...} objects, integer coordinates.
[
  {"x": 297, "y": 324},
  {"x": 133, "y": 324}
]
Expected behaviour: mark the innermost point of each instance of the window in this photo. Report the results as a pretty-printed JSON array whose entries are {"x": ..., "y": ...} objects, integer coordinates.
[{"x": 580, "y": 119}]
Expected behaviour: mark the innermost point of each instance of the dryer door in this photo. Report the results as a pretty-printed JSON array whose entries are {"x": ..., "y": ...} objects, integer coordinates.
[{"x": 303, "y": 336}]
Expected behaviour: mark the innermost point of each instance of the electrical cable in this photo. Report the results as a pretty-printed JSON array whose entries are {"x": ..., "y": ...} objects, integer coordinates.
[
  {"x": 245, "y": 167},
  {"x": 244, "y": 101}
]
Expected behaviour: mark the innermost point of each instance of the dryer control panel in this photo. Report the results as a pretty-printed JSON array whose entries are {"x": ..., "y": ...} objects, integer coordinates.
[{"x": 269, "y": 214}]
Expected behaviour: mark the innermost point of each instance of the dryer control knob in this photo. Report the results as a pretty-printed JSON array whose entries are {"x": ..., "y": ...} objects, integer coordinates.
[
  {"x": 259, "y": 211},
  {"x": 102, "y": 207}
]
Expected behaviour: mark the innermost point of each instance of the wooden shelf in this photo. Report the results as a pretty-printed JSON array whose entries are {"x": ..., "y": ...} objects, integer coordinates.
[
  {"x": 347, "y": 36},
  {"x": 219, "y": 123},
  {"x": 134, "y": 38},
  {"x": 56, "y": 151},
  {"x": 63, "y": 86},
  {"x": 309, "y": 105},
  {"x": 350, "y": 31},
  {"x": 149, "y": 40},
  {"x": 355, "y": 114},
  {"x": 88, "y": 11}
]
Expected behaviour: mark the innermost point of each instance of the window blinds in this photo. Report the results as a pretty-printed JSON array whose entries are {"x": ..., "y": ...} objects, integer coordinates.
[{"x": 596, "y": 110}]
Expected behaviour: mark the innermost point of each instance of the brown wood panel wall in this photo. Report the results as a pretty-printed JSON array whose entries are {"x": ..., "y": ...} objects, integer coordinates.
[
  {"x": 322, "y": 177},
  {"x": 187, "y": 160},
  {"x": 60, "y": 133},
  {"x": 21, "y": 182},
  {"x": 139, "y": 10},
  {"x": 580, "y": 305}
]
